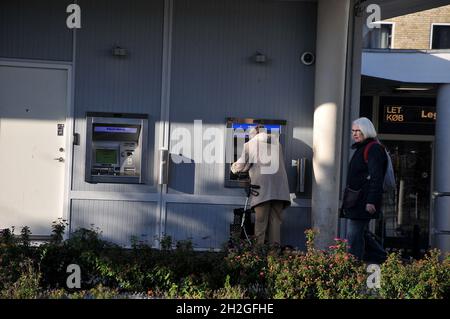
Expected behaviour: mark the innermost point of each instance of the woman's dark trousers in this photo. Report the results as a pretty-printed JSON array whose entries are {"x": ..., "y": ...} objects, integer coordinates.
[{"x": 362, "y": 243}]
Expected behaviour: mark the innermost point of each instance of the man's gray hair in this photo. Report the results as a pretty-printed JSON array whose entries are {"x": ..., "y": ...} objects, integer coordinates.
[{"x": 366, "y": 127}]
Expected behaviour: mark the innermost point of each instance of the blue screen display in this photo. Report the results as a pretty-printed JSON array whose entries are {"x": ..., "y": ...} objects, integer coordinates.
[
  {"x": 245, "y": 126},
  {"x": 115, "y": 129}
]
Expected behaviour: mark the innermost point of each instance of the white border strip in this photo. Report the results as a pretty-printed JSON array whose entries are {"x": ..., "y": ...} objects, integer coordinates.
[
  {"x": 175, "y": 198},
  {"x": 70, "y": 147},
  {"x": 115, "y": 196},
  {"x": 392, "y": 32}
]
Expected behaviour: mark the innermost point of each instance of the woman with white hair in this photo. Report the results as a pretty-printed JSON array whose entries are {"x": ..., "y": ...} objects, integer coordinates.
[{"x": 364, "y": 191}]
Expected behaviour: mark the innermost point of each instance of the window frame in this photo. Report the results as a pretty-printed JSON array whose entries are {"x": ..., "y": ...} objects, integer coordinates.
[
  {"x": 392, "y": 33},
  {"x": 431, "y": 32}
]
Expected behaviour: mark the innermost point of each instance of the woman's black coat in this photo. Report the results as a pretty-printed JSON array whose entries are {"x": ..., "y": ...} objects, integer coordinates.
[{"x": 368, "y": 177}]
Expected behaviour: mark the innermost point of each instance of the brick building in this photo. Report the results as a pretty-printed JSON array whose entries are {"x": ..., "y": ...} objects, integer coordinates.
[{"x": 413, "y": 31}]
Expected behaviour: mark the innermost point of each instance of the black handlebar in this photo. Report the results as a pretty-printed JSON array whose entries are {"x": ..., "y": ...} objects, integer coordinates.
[
  {"x": 440, "y": 194},
  {"x": 250, "y": 190}
]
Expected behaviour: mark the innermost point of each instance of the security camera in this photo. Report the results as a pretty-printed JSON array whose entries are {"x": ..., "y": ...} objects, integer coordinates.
[{"x": 307, "y": 58}]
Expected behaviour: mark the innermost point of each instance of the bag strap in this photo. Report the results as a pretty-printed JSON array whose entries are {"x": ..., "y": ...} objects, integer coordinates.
[{"x": 367, "y": 148}]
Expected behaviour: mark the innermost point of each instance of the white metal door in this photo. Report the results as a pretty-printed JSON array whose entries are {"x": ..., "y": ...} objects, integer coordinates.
[{"x": 33, "y": 110}]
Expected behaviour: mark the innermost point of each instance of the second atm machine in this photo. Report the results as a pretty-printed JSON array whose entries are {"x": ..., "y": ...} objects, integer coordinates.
[{"x": 238, "y": 134}]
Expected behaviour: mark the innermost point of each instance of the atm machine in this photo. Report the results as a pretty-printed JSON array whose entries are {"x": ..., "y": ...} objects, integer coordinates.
[
  {"x": 237, "y": 134},
  {"x": 115, "y": 147}
]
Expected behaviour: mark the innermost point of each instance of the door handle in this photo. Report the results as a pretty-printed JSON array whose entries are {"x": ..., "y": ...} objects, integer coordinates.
[{"x": 59, "y": 159}]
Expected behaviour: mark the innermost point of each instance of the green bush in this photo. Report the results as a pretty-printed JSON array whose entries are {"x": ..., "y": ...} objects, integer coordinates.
[
  {"x": 229, "y": 291},
  {"x": 27, "y": 286},
  {"x": 97, "y": 292},
  {"x": 317, "y": 274},
  {"x": 420, "y": 279},
  {"x": 247, "y": 266},
  {"x": 177, "y": 271},
  {"x": 188, "y": 288},
  {"x": 17, "y": 259},
  {"x": 84, "y": 248}
]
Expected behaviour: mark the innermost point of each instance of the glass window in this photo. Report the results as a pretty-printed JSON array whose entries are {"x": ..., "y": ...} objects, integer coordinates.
[
  {"x": 406, "y": 212},
  {"x": 441, "y": 37},
  {"x": 378, "y": 38}
]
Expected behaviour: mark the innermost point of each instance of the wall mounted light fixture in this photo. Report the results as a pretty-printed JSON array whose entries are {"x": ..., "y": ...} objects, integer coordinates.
[
  {"x": 259, "y": 57},
  {"x": 119, "y": 51}
]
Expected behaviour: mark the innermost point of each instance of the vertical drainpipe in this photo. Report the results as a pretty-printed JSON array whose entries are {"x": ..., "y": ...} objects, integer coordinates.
[
  {"x": 163, "y": 132},
  {"x": 331, "y": 54},
  {"x": 68, "y": 208},
  {"x": 441, "y": 214}
]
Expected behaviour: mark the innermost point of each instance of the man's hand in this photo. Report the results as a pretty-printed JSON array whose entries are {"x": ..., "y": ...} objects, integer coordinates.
[
  {"x": 371, "y": 208},
  {"x": 234, "y": 168}
]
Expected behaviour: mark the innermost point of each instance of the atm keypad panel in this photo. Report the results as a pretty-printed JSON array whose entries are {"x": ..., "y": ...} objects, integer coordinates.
[{"x": 115, "y": 161}]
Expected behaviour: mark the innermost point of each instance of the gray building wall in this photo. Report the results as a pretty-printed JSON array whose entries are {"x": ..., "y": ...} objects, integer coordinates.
[
  {"x": 106, "y": 83},
  {"x": 212, "y": 77},
  {"x": 35, "y": 30},
  {"x": 205, "y": 225},
  {"x": 118, "y": 221}
]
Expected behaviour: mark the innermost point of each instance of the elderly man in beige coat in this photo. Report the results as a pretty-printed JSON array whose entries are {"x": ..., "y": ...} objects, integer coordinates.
[{"x": 262, "y": 157}]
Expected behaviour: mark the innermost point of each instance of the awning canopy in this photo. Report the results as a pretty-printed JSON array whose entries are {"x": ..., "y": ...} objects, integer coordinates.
[{"x": 407, "y": 65}]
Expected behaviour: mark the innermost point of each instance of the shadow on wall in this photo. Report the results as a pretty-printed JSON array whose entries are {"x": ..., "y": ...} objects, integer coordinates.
[
  {"x": 206, "y": 225},
  {"x": 295, "y": 222},
  {"x": 181, "y": 170},
  {"x": 210, "y": 177}
]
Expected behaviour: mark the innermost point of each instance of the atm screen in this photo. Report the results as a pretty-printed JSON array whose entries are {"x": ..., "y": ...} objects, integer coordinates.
[
  {"x": 115, "y": 129},
  {"x": 106, "y": 156},
  {"x": 268, "y": 127},
  {"x": 115, "y": 132},
  {"x": 241, "y": 131}
]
